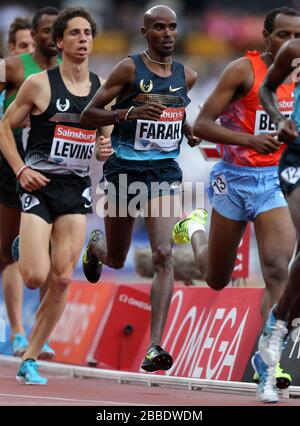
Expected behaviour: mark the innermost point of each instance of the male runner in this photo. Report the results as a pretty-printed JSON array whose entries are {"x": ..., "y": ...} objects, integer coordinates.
[
  {"x": 55, "y": 187},
  {"x": 149, "y": 122}
]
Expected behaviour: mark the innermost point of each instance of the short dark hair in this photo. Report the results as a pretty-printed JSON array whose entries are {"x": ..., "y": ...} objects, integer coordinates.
[
  {"x": 270, "y": 18},
  {"x": 44, "y": 11},
  {"x": 19, "y": 23},
  {"x": 64, "y": 16}
]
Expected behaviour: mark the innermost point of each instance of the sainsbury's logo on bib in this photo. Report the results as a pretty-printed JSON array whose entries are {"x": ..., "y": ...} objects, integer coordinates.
[
  {"x": 75, "y": 134},
  {"x": 263, "y": 122}
]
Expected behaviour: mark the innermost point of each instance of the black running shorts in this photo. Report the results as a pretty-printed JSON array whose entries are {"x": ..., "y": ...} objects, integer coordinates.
[
  {"x": 147, "y": 179},
  {"x": 289, "y": 169},
  {"x": 64, "y": 194}
]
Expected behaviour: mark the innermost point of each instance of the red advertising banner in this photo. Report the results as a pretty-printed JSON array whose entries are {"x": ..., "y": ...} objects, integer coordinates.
[
  {"x": 210, "y": 334},
  {"x": 241, "y": 269},
  {"x": 125, "y": 329},
  {"x": 84, "y": 314}
]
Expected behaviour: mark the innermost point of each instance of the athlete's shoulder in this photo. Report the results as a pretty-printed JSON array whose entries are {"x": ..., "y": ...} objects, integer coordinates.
[
  {"x": 126, "y": 64},
  {"x": 239, "y": 65},
  {"x": 37, "y": 80},
  {"x": 190, "y": 77}
]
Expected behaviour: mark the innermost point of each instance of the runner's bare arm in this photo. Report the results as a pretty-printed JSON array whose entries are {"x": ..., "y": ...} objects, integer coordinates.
[
  {"x": 106, "y": 130},
  {"x": 231, "y": 84},
  {"x": 117, "y": 84},
  {"x": 286, "y": 62},
  {"x": 190, "y": 77},
  {"x": 12, "y": 78},
  {"x": 14, "y": 116}
]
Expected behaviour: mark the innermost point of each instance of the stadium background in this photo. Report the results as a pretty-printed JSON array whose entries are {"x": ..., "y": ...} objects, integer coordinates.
[{"x": 210, "y": 35}]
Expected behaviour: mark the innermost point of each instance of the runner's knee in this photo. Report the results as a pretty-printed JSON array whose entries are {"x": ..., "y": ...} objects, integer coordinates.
[
  {"x": 217, "y": 283},
  {"x": 275, "y": 271},
  {"x": 162, "y": 258},
  {"x": 33, "y": 278},
  {"x": 62, "y": 282},
  {"x": 116, "y": 262}
]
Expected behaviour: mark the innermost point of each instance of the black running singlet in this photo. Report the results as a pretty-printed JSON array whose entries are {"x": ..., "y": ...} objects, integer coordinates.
[{"x": 57, "y": 142}]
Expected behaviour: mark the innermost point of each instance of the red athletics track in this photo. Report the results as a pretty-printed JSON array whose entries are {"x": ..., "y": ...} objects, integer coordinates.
[{"x": 62, "y": 390}]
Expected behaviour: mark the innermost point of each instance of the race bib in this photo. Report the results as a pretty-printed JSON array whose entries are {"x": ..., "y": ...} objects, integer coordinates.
[
  {"x": 219, "y": 185},
  {"x": 163, "y": 135},
  {"x": 263, "y": 122},
  {"x": 29, "y": 201},
  {"x": 72, "y": 147},
  {"x": 291, "y": 174}
]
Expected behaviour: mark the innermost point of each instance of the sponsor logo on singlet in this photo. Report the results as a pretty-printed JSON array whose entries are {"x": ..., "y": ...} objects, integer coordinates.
[
  {"x": 163, "y": 135},
  {"x": 263, "y": 122},
  {"x": 72, "y": 147},
  {"x": 62, "y": 106}
]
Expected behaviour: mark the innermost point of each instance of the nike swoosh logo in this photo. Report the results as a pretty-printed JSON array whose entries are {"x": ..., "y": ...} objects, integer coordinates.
[
  {"x": 87, "y": 206},
  {"x": 171, "y": 89}
]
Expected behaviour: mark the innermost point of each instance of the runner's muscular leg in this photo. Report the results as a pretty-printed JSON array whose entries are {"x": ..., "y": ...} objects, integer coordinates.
[
  {"x": 67, "y": 239},
  {"x": 275, "y": 237},
  {"x": 11, "y": 278},
  {"x": 34, "y": 260},
  {"x": 289, "y": 304},
  {"x": 159, "y": 230},
  {"x": 113, "y": 249},
  {"x": 224, "y": 238}
]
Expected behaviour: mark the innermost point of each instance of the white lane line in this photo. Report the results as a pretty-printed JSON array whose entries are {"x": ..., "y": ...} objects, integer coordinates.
[{"x": 13, "y": 395}]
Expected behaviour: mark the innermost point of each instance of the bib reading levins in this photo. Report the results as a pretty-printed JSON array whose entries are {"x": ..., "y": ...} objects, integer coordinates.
[
  {"x": 72, "y": 147},
  {"x": 57, "y": 142},
  {"x": 144, "y": 139},
  {"x": 162, "y": 135}
]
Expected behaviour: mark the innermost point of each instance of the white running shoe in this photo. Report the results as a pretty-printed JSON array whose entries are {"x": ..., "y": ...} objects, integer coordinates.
[
  {"x": 271, "y": 341},
  {"x": 266, "y": 388}
]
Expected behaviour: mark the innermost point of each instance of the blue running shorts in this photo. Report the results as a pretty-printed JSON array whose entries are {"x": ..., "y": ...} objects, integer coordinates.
[{"x": 241, "y": 193}]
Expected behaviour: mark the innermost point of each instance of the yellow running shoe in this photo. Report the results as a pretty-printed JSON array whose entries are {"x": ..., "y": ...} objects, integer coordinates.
[
  {"x": 283, "y": 380},
  {"x": 180, "y": 232}
]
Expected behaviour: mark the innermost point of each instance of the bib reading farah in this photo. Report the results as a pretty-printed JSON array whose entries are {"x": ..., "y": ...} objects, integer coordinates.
[
  {"x": 164, "y": 135},
  {"x": 57, "y": 143}
]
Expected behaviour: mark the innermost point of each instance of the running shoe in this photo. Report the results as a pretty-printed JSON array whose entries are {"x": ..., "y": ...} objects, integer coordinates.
[
  {"x": 91, "y": 265},
  {"x": 19, "y": 344},
  {"x": 28, "y": 372},
  {"x": 15, "y": 249},
  {"x": 47, "y": 352},
  {"x": 157, "y": 359},
  {"x": 283, "y": 380},
  {"x": 180, "y": 232},
  {"x": 266, "y": 388},
  {"x": 271, "y": 341}
]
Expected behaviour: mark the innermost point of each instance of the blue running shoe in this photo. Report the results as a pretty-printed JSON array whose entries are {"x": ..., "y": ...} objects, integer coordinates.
[
  {"x": 266, "y": 388},
  {"x": 271, "y": 341},
  {"x": 28, "y": 372},
  {"x": 19, "y": 344},
  {"x": 47, "y": 352},
  {"x": 15, "y": 249}
]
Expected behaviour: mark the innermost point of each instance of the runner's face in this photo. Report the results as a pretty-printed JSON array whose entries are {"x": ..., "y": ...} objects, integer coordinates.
[
  {"x": 24, "y": 43},
  {"x": 77, "y": 40},
  {"x": 285, "y": 28},
  {"x": 43, "y": 36},
  {"x": 161, "y": 35}
]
